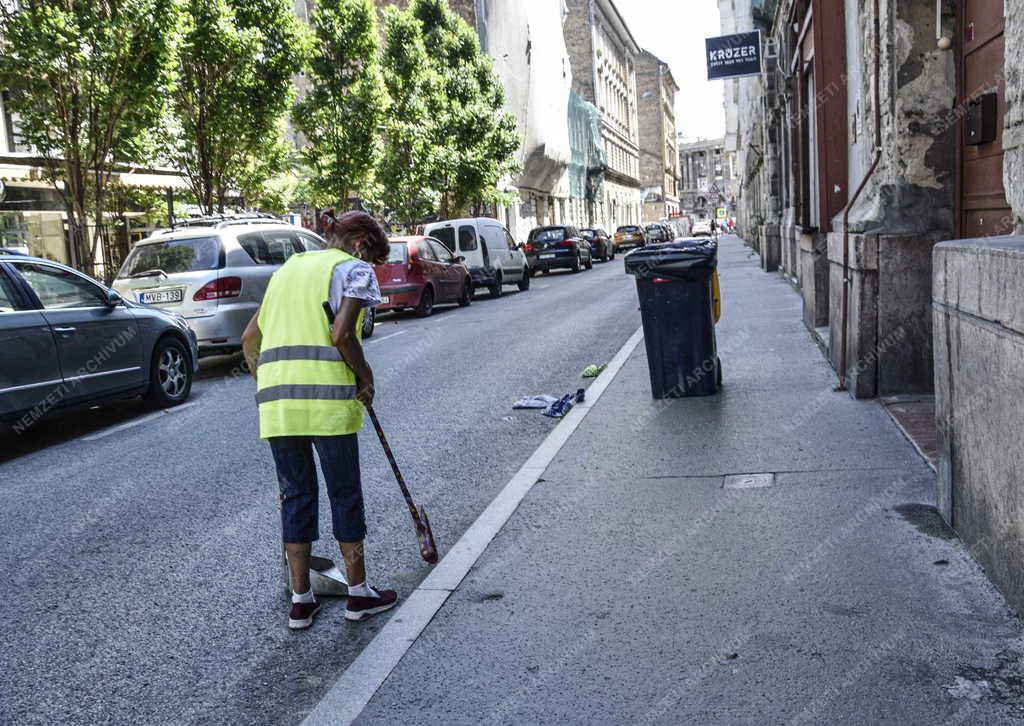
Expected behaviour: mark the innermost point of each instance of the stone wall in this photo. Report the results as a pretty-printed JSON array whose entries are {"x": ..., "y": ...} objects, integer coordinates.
[
  {"x": 1013, "y": 132},
  {"x": 580, "y": 43},
  {"x": 979, "y": 366}
]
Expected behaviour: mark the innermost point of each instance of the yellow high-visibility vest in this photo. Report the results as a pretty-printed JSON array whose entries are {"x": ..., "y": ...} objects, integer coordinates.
[{"x": 304, "y": 388}]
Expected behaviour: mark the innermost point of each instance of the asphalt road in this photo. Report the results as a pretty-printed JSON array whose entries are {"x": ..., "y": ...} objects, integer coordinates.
[{"x": 140, "y": 552}]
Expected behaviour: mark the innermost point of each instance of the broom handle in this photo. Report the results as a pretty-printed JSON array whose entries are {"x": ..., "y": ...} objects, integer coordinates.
[{"x": 394, "y": 464}]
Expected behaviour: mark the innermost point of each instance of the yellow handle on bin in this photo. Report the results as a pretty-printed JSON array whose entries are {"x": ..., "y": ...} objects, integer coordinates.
[{"x": 716, "y": 296}]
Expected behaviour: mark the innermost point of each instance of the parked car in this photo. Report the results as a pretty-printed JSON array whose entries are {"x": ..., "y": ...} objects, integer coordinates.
[
  {"x": 629, "y": 235},
  {"x": 214, "y": 273},
  {"x": 421, "y": 273},
  {"x": 558, "y": 246},
  {"x": 701, "y": 228},
  {"x": 68, "y": 341},
  {"x": 490, "y": 253},
  {"x": 656, "y": 233},
  {"x": 601, "y": 245}
]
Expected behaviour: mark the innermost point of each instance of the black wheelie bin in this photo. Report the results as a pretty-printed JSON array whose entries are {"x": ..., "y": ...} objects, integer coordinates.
[{"x": 675, "y": 282}]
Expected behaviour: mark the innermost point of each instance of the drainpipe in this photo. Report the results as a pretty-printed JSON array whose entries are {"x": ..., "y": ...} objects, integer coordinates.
[{"x": 845, "y": 324}]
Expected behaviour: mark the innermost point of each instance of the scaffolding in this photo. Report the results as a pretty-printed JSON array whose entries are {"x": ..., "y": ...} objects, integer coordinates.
[{"x": 586, "y": 170}]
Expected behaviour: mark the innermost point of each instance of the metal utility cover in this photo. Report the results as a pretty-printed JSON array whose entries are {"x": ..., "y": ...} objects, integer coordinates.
[{"x": 748, "y": 481}]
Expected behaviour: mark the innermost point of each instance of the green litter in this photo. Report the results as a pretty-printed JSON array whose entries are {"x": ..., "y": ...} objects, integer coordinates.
[{"x": 593, "y": 371}]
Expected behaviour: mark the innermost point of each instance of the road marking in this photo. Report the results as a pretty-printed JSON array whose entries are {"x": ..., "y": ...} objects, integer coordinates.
[
  {"x": 357, "y": 685},
  {"x": 136, "y": 422},
  {"x": 392, "y": 335}
]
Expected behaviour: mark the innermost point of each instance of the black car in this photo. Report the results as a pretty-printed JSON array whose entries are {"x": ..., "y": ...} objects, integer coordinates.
[
  {"x": 548, "y": 248},
  {"x": 67, "y": 340},
  {"x": 657, "y": 233},
  {"x": 601, "y": 245}
]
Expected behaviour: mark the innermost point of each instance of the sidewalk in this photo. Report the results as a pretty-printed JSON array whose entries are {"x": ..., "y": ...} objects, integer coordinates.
[{"x": 631, "y": 587}]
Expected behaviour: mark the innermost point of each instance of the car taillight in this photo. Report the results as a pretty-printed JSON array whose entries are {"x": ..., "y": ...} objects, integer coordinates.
[
  {"x": 566, "y": 243},
  {"x": 529, "y": 247},
  {"x": 220, "y": 288}
]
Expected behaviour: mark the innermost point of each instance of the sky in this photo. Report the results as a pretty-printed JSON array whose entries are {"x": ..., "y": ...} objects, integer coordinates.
[{"x": 674, "y": 30}]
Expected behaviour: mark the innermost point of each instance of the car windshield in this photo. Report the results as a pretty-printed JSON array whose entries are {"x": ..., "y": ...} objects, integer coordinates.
[
  {"x": 551, "y": 234},
  {"x": 588, "y": 233},
  {"x": 191, "y": 254},
  {"x": 399, "y": 253},
  {"x": 629, "y": 229}
]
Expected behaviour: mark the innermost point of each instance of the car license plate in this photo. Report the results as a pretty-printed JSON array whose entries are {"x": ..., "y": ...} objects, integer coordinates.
[
  {"x": 156, "y": 297},
  {"x": 384, "y": 299},
  {"x": 547, "y": 256}
]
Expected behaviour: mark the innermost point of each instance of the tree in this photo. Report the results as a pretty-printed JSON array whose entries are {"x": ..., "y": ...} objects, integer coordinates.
[
  {"x": 408, "y": 166},
  {"x": 475, "y": 140},
  {"x": 343, "y": 110},
  {"x": 235, "y": 66},
  {"x": 89, "y": 79}
]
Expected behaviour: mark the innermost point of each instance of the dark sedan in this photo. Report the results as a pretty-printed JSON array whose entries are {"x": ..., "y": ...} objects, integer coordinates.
[
  {"x": 549, "y": 248},
  {"x": 601, "y": 246},
  {"x": 67, "y": 340}
]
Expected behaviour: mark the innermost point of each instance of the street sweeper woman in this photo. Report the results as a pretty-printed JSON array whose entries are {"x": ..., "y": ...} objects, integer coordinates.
[{"x": 313, "y": 384}]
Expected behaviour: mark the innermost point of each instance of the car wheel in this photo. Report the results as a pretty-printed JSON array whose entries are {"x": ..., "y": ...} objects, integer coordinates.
[
  {"x": 495, "y": 288},
  {"x": 170, "y": 374},
  {"x": 426, "y": 305},
  {"x": 467, "y": 295},
  {"x": 577, "y": 264},
  {"x": 590, "y": 261},
  {"x": 524, "y": 284},
  {"x": 369, "y": 318}
]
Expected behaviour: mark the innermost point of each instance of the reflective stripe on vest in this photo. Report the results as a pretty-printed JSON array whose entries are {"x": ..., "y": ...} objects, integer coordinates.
[
  {"x": 300, "y": 352},
  {"x": 306, "y": 391}
]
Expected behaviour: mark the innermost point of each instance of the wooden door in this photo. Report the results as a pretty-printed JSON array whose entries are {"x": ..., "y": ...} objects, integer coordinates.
[{"x": 982, "y": 208}]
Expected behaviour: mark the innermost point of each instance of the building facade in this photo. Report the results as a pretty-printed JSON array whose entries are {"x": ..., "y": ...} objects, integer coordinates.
[
  {"x": 659, "y": 167},
  {"x": 603, "y": 56},
  {"x": 707, "y": 178},
  {"x": 526, "y": 42},
  {"x": 888, "y": 185}
]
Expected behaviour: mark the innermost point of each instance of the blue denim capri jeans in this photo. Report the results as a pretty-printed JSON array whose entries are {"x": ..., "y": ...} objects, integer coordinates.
[{"x": 300, "y": 496}]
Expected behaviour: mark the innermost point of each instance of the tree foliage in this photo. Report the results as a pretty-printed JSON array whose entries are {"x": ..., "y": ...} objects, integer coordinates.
[
  {"x": 235, "y": 65},
  {"x": 343, "y": 110},
  {"x": 408, "y": 166},
  {"x": 474, "y": 139},
  {"x": 89, "y": 79}
]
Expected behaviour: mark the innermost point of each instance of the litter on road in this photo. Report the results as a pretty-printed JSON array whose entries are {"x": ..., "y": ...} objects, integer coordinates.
[
  {"x": 534, "y": 402},
  {"x": 563, "y": 405},
  {"x": 593, "y": 371}
]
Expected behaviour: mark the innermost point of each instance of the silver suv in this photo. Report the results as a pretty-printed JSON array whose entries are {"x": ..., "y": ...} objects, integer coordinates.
[{"x": 214, "y": 272}]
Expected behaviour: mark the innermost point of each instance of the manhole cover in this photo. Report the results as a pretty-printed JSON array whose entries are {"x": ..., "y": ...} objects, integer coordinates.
[{"x": 748, "y": 481}]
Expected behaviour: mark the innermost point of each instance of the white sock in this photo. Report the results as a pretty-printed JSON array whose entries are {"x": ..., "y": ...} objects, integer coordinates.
[
  {"x": 305, "y": 597},
  {"x": 362, "y": 590}
]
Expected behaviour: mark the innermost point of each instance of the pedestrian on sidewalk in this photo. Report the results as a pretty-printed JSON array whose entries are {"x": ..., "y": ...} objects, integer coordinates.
[{"x": 313, "y": 382}]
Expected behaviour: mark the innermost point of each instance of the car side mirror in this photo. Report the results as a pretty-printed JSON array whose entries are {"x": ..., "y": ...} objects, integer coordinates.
[
  {"x": 113, "y": 299},
  {"x": 459, "y": 259}
]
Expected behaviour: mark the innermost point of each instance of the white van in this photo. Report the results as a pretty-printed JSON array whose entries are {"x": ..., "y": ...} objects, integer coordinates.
[{"x": 492, "y": 256}]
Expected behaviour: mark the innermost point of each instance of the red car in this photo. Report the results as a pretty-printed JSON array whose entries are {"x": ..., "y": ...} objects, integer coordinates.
[{"x": 420, "y": 273}]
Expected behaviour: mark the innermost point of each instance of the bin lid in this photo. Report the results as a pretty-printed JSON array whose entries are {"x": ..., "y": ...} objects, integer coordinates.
[{"x": 692, "y": 259}]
